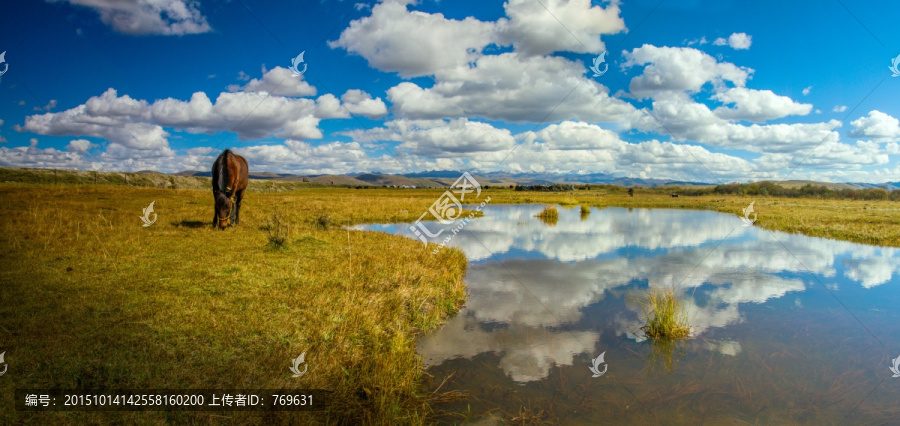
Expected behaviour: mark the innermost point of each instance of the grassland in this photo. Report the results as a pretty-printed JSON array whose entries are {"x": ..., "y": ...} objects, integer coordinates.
[{"x": 92, "y": 299}]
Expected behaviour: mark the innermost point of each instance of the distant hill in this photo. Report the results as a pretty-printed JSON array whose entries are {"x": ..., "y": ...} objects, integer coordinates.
[
  {"x": 436, "y": 174},
  {"x": 890, "y": 186},
  {"x": 276, "y": 182},
  {"x": 253, "y": 175},
  {"x": 800, "y": 183},
  {"x": 337, "y": 180},
  {"x": 399, "y": 180},
  {"x": 445, "y": 178}
]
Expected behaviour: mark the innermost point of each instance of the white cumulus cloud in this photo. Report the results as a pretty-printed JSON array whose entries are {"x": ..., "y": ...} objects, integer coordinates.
[
  {"x": 414, "y": 43},
  {"x": 876, "y": 125},
  {"x": 757, "y": 105},
  {"x": 679, "y": 69},
  {"x": 542, "y": 27},
  {"x": 139, "y": 17},
  {"x": 278, "y": 81},
  {"x": 737, "y": 41}
]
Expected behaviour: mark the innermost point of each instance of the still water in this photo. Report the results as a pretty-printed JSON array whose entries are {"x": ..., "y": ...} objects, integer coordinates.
[{"x": 785, "y": 329}]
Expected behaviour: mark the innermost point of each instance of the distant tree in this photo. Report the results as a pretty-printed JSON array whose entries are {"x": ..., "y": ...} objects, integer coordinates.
[
  {"x": 876, "y": 194},
  {"x": 631, "y": 192}
]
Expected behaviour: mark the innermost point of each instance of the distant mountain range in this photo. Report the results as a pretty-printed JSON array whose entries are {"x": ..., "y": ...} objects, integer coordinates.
[{"x": 444, "y": 178}]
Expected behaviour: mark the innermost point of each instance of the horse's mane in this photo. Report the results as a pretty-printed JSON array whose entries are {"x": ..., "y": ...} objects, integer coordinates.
[{"x": 220, "y": 169}]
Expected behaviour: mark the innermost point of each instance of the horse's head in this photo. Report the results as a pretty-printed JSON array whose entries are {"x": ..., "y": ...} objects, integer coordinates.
[{"x": 223, "y": 210}]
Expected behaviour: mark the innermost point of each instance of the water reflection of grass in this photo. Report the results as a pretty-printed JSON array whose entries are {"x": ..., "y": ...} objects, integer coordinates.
[
  {"x": 585, "y": 211},
  {"x": 665, "y": 353}
]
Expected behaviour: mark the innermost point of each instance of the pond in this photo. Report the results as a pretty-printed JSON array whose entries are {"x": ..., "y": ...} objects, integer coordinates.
[{"x": 785, "y": 329}]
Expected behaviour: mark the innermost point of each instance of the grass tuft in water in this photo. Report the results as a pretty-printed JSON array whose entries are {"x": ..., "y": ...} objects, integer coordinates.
[
  {"x": 585, "y": 211},
  {"x": 664, "y": 313},
  {"x": 549, "y": 215}
]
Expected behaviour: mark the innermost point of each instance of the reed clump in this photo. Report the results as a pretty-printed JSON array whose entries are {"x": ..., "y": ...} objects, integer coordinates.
[
  {"x": 665, "y": 314},
  {"x": 549, "y": 215}
]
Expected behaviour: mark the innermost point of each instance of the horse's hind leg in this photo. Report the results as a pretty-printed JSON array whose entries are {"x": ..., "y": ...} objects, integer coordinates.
[{"x": 237, "y": 208}]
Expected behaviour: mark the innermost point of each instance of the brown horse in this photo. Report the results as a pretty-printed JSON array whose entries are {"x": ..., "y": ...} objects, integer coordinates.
[{"x": 230, "y": 176}]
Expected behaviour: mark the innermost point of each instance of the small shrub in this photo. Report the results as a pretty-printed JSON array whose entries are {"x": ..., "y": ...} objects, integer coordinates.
[
  {"x": 277, "y": 230},
  {"x": 323, "y": 221}
]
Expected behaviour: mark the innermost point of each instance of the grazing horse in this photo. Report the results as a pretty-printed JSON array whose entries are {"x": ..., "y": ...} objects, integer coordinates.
[{"x": 229, "y": 180}]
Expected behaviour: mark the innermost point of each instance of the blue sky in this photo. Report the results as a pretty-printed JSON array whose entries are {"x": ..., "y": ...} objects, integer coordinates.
[{"x": 714, "y": 91}]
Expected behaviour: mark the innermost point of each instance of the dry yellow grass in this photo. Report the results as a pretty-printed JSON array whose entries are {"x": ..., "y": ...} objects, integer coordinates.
[{"x": 92, "y": 299}]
